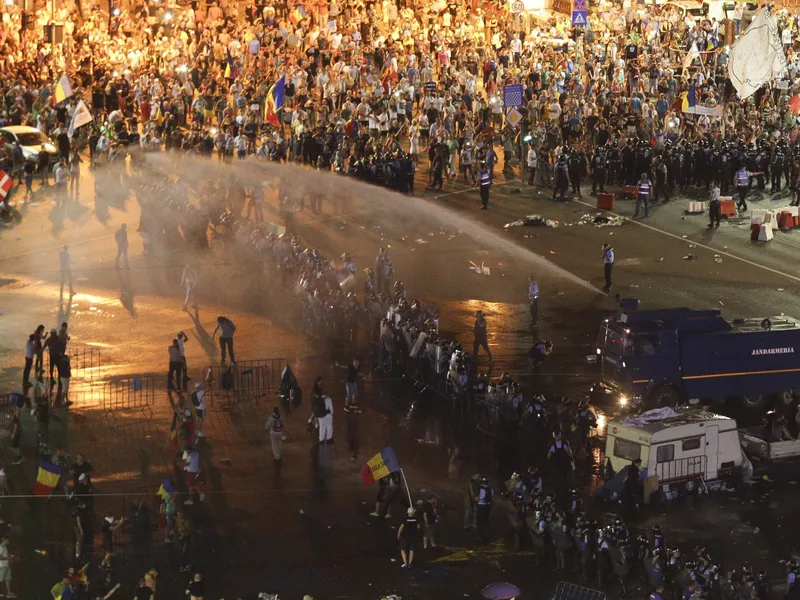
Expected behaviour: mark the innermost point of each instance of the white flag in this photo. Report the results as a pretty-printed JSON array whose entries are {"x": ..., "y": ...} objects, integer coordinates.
[
  {"x": 693, "y": 53},
  {"x": 757, "y": 56},
  {"x": 81, "y": 117}
]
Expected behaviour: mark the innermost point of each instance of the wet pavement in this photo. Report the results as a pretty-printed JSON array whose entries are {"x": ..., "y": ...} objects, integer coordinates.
[{"x": 303, "y": 527}]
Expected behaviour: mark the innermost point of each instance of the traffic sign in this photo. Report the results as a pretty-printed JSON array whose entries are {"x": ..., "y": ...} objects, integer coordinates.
[
  {"x": 517, "y": 7},
  {"x": 579, "y": 5},
  {"x": 513, "y": 117},
  {"x": 513, "y": 95},
  {"x": 579, "y": 17}
]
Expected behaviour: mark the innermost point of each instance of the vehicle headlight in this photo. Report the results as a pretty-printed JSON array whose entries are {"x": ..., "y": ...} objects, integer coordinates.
[
  {"x": 599, "y": 351},
  {"x": 623, "y": 400}
]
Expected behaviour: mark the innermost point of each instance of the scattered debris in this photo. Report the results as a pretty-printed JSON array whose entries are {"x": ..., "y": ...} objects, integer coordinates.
[
  {"x": 599, "y": 220},
  {"x": 481, "y": 269},
  {"x": 421, "y": 241},
  {"x": 661, "y": 259},
  {"x": 720, "y": 303},
  {"x": 684, "y": 236},
  {"x": 690, "y": 257},
  {"x": 692, "y": 245},
  {"x": 780, "y": 290},
  {"x": 532, "y": 221}
]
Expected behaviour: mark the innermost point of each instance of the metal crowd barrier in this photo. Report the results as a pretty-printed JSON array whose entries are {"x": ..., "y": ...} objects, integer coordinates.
[
  {"x": 137, "y": 392},
  {"x": 571, "y": 591},
  {"x": 246, "y": 380}
]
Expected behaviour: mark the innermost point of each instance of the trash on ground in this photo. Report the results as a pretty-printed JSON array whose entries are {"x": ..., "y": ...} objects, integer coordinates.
[
  {"x": 481, "y": 269},
  {"x": 690, "y": 257},
  {"x": 532, "y": 221},
  {"x": 599, "y": 220},
  {"x": 421, "y": 241}
]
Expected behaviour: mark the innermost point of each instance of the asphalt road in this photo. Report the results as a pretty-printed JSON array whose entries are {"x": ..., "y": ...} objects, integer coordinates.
[{"x": 304, "y": 528}]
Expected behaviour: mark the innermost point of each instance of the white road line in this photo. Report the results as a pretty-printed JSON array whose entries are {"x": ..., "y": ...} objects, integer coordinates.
[
  {"x": 696, "y": 243},
  {"x": 48, "y": 249}
]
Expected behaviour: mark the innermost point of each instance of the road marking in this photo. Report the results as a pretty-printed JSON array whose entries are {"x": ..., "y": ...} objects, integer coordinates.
[{"x": 696, "y": 243}]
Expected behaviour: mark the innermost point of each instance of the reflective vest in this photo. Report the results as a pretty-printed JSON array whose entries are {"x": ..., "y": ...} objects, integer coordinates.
[
  {"x": 742, "y": 178},
  {"x": 486, "y": 179},
  {"x": 644, "y": 187}
]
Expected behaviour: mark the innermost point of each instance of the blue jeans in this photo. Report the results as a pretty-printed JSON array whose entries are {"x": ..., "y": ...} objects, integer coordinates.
[{"x": 643, "y": 199}]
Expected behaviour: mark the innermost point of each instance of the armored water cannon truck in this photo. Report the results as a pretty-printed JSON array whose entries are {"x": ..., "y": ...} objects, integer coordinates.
[{"x": 669, "y": 357}]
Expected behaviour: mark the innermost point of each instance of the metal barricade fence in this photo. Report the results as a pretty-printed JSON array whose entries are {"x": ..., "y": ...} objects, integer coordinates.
[
  {"x": 681, "y": 470},
  {"x": 84, "y": 363},
  {"x": 131, "y": 393},
  {"x": 6, "y": 410},
  {"x": 571, "y": 591},
  {"x": 246, "y": 380}
]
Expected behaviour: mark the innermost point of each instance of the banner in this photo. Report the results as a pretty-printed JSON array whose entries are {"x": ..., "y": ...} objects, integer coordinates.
[
  {"x": 693, "y": 53},
  {"x": 757, "y": 57},
  {"x": 709, "y": 111}
]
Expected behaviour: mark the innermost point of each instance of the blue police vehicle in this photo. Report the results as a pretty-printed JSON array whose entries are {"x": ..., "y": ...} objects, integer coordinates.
[{"x": 671, "y": 356}]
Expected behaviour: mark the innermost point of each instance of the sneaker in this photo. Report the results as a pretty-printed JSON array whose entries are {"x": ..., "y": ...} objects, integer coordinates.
[
  {"x": 18, "y": 461},
  {"x": 374, "y": 514},
  {"x": 387, "y": 516},
  {"x": 404, "y": 565},
  {"x": 202, "y": 497},
  {"x": 188, "y": 503},
  {"x": 347, "y": 409},
  {"x": 68, "y": 403},
  {"x": 200, "y": 434}
]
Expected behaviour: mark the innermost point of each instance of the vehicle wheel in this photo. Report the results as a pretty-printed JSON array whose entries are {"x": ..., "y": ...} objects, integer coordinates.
[
  {"x": 690, "y": 486},
  {"x": 664, "y": 395},
  {"x": 755, "y": 401}
]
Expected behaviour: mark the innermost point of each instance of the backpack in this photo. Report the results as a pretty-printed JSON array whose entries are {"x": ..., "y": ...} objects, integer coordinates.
[{"x": 320, "y": 410}]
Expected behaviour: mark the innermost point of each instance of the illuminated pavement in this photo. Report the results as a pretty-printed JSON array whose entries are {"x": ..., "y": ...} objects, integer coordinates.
[{"x": 304, "y": 528}]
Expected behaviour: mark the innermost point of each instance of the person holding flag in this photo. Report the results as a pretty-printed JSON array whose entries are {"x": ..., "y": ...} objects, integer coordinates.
[{"x": 274, "y": 103}]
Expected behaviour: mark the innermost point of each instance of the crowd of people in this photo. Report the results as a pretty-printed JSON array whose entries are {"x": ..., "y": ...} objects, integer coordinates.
[{"x": 371, "y": 90}]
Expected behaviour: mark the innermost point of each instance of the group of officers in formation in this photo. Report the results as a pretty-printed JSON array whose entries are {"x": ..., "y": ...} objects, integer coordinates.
[{"x": 681, "y": 165}]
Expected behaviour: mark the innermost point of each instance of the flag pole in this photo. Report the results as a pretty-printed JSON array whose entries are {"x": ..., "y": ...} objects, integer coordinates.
[{"x": 408, "y": 491}]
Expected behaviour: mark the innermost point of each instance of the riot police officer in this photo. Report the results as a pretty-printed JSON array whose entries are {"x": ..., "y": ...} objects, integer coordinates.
[
  {"x": 598, "y": 168},
  {"x": 577, "y": 168}
]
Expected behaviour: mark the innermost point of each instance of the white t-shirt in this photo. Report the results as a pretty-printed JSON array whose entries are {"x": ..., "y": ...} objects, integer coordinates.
[
  {"x": 3, "y": 556},
  {"x": 192, "y": 460}
]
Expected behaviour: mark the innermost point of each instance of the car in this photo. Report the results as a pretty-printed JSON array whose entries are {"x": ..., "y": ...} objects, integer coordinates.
[{"x": 31, "y": 141}]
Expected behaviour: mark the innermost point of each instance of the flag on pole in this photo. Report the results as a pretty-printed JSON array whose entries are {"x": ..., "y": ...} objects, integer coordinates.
[
  {"x": 63, "y": 89},
  {"x": 297, "y": 15},
  {"x": 379, "y": 466},
  {"x": 167, "y": 489},
  {"x": 693, "y": 53},
  {"x": 757, "y": 56},
  {"x": 689, "y": 98},
  {"x": 80, "y": 117},
  {"x": 47, "y": 478},
  {"x": 6, "y": 182},
  {"x": 275, "y": 101},
  {"x": 231, "y": 70}
]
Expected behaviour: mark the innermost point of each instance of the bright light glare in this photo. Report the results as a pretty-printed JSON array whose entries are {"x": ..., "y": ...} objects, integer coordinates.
[{"x": 623, "y": 401}]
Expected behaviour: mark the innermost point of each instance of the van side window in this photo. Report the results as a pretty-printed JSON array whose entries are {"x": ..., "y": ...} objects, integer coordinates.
[
  {"x": 692, "y": 444},
  {"x": 665, "y": 453},
  {"x": 627, "y": 449},
  {"x": 645, "y": 345}
]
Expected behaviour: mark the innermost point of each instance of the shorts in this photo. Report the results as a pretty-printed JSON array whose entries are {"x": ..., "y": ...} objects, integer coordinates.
[
  {"x": 431, "y": 532},
  {"x": 409, "y": 545},
  {"x": 5, "y": 573},
  {"x": 351, "y": 389},
  {"x": 201, "y": 414},
  {"x": 190, "y": 478}
]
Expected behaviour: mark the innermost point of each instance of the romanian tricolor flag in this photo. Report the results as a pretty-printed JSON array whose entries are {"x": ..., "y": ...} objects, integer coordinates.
[
  {"x": 167, "y": 489},
  {"x": 689, "y": 98},
  {"x": 47, "y": 479},
  {"x": 231, "y": 71},
  {"x": 297, "y": 15},
  {"x": 81, "y": 576},
  {"x": 63, "y": 89},
  {"x": 274, "y": 101},
  {"x": 379, "y": 466}
]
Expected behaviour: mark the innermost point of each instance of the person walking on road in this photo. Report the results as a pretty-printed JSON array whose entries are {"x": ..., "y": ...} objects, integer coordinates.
[
  {"x": 608, "y": 265},
  {"x": 191, "y": 469},
  {"x": 199, "y": 402},
  {"x": 533, "y": 300},
  {"x": 277, "y": 433},
  {"x": 486, "y": 185},
  {"x": 66, "y": 270},
  {"x": 351, "y": 385},
  {"x": 226, "y": 330},
  {"x": 188, "y": 280},
  {"x": 643, "y": 198},
  {"x": 175, "y": 367},
  {"x": 532, "y": 161},
  {"x": 742, "y": 181},
  {"x": 714, "y": 206},
  {"x": 121, "y": 238},
  {"x": 323, "y": 413},
  {"x": 61, "y": 174},
  {"x": 481, "y": 336}
]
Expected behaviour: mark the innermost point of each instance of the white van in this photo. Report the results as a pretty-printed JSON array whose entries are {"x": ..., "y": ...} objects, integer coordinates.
[{"x": 682, "y": 448}]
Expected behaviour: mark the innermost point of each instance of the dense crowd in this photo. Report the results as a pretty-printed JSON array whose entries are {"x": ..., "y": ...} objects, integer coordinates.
[{"x": 372, "y": 89}]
